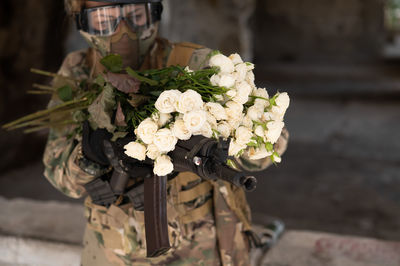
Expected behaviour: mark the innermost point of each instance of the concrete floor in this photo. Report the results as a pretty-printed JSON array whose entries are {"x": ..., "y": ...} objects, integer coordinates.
[{"x": 341, "y": 172}]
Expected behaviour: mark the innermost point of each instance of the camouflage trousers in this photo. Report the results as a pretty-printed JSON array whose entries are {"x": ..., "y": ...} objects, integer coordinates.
[
  {"x": 201, "y": 250},
  {"x": 202, "y": 230}
]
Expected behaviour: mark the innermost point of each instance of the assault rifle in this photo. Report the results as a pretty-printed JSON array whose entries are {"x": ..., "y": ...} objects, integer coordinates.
[{"x": 205, "y": 157}]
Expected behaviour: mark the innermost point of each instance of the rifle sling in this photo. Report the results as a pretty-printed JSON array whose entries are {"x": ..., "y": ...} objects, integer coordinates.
[
  {"x": 198, "y": 213},
  {"x": 189, "y": 195}
]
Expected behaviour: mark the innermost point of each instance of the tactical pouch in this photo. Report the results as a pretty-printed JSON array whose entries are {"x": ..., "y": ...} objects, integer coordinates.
[{"x": 100, "y": 192}]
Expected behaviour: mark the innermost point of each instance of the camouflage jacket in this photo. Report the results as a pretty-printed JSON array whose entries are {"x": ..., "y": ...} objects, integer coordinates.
[{"x": 206, "y": 220}]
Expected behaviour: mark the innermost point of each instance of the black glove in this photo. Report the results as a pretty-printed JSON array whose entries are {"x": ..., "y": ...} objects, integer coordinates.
[
  {"x": 93, "y": 144},
  {"x": 115, "y": 153},
  {"x": 98, "y": 147},
  {"x": 196, "y": 154},
  {"x": 207, "y": 158}
]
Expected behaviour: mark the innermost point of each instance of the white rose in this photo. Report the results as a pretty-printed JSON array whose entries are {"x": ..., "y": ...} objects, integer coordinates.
[
  {"x": 250, "y": 66},
  {"x": 188, "y": 101},
  {"x": 152, "y": 152},
  {"x": 135, "y": 150},
  {"x": 215, "y": 80},
  {"x": 217, "y": 110},
  {"x": 247, "y": 122},
  {"x": 276, "y": 158},
  {"x": 235, "y": 148},
  {"x": 261, "y": 103},
  {"x": 255, "y": 112},
  {"x": 224, "y": 129},
  {"x": 155, "y": 116},
  {"x": 227, "y": 81},
  {"x": 194, "y": 120},
  {"x": 219, "y": 97},
  {"x": 166, "y": 102},
  {"x": 274, "y": 131},
  {"x": 180, "y": 130},
  {"x": 163, "y": 166},
  {"x": 243, "y": 92},
  {"x": 243, "y": 135},
  {"x": 278, "y": 113},
  {"x": 146, "y": 130},
  {"x": 211, "y": 120},
  {"x": 187, "y": 69},
  {"x": 205, "y": 131},
  {"x": 259, "y": 131},
  {"x": 241, "y": 71},
  {"x": 165, "y": 140},
  {"x": 261, "y": 92},
  {"x": 236, "y": 59},
  {"x": 235, "y": 120},
  {"x": 234, "y": 112},
  {"x": 268, "y": 116},
  {"x": 164, "y": 119},
  {"x": 283, "y": 100},
  {"x": 258, "y": 153},
  {"x": 233, "y": 107},
  {"x": 224, "y": 63},
  {"x": 250, "y": 78},
  {"x": 231, "y": 93}
]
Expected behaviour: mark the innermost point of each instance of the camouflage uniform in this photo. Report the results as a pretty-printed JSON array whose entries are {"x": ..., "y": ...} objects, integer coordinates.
[{"x": 206, "y": 220}]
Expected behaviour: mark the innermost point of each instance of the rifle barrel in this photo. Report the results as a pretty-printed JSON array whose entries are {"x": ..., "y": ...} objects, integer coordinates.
[{"x": 248, "y": 183}]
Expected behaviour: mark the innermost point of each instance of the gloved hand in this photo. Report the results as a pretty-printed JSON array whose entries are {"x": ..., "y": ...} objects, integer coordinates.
[
  {"x": 98, "y": 147},
  {"x": 115, "y": 153},
  {"x": 92, "y": 144},
  {"x": 197, "y": 154},
  {"x": 207, "y": 158}
]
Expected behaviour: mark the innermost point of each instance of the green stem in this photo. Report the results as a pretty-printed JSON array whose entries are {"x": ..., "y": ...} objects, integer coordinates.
[
  {"x": 38, "y": 92},
  {"x": 43, "y": 113},
  {"x": 34, "y": 129},
  {"x": 43, "y": 87},
  {"x": 53, "y": 75}
]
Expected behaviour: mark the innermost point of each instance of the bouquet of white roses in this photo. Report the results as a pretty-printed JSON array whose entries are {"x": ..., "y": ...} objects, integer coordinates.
[
  {"x": 237, "y": 109},
  {"x": 165, "y": 105}
]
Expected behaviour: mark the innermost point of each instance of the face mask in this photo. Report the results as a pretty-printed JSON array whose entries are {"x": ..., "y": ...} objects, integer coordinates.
[{"x": 132, "y": 46}]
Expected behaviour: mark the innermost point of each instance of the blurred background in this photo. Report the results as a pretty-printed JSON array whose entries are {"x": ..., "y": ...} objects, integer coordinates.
[{"x": 338, "y": 60}]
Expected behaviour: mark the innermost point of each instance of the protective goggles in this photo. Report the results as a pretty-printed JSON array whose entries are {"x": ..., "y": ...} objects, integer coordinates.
[{"x": 104, "y": 20}]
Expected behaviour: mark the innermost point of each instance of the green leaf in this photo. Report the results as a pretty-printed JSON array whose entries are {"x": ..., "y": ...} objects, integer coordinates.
[
  {"x": 275, "y": 154},
  {"x": 101, "y": 110},
  {"x": 214, "y": 52},
  {"x": 119, "y": 135},
  {"x": 272, "y": 101},
  {"x": 155, "y": 93},
  {"x": 241, "y": 152},
  {"x": 252, "y": 144},
  {"x": 112, "y": 62},
  {"x": 100, "y": 81},
  {"x": 232, "y": 164},
  {"x": 65, "y": 93},
  {"x": 134, "y": 74},
  {"x": 269, "y": 147}
]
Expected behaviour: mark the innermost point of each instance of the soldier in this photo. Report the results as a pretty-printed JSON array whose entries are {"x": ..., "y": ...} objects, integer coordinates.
[{"x": 208, "y": 222}]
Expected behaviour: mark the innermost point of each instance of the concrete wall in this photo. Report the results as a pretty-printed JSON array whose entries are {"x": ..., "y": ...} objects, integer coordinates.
[
  {"x": 218, "y": 24},
  {"x": 30, "y": 36},
  {"x": 318, "y": 30}
]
